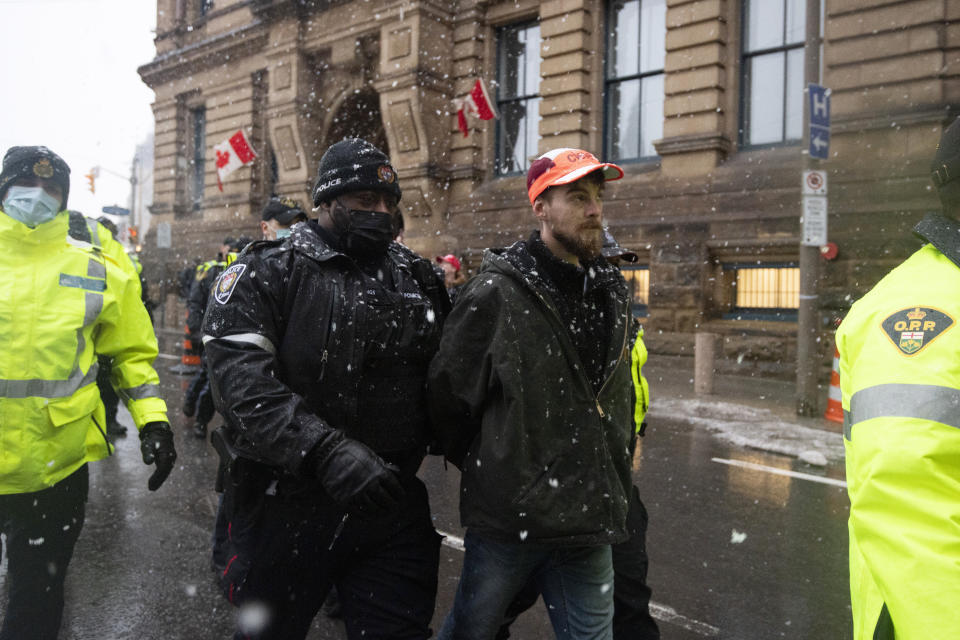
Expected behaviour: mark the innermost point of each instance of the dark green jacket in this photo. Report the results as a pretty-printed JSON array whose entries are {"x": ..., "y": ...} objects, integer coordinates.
[{"x": 544, "y": 457}]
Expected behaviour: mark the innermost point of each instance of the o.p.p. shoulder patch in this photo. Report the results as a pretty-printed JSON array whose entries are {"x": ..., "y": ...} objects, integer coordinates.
[
  {"x": 912, "y": 329},
  {"x": 227, "y": 281}
]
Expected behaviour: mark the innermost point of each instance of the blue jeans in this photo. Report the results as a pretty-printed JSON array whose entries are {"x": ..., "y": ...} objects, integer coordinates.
[{"x": 576, "y": 584}]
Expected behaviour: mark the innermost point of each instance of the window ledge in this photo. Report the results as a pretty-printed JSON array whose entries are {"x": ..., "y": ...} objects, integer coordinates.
[
  {"x": 784, "y": 328},
  {"x": 692, "y": 143}
]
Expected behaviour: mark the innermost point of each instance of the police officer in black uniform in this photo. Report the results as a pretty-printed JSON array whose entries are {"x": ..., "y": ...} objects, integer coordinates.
[{"x": 318, "y": 347}]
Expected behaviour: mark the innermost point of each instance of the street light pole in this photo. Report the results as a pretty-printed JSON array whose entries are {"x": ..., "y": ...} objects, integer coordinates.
[{"x": 808, "y": 357}]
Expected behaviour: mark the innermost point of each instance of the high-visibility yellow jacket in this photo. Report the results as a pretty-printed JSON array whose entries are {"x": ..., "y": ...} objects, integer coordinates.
[
  {"x": 63, "y": 301},
  {"x": 638, "y": 358},
  {"x": 900, "y": 379}
]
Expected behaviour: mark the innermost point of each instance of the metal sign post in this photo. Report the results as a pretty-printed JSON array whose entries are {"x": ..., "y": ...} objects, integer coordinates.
[{"x": 814, "y": 220}]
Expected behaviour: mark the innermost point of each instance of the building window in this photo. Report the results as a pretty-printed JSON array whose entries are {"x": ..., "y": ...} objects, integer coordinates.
[
  {"x": 764, "y": 291},
  {"x": 772, "y": 71},
  {"x": 633, "y": 90},
  {"x": 638, "y": 286},
  {"x": 518, "y": 98},
  {"x": 198, "y": 149}
]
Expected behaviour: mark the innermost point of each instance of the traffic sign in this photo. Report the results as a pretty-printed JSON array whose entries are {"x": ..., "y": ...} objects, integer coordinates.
[
  {"x": 819, "y": 105},
  {"x": 819, "y": 108},
  {"x": 164, "y": 235},
  {"x": 813, "y": 226},
  {"x": 814, "y": 183},
  {"x": 116, "y": 211}
]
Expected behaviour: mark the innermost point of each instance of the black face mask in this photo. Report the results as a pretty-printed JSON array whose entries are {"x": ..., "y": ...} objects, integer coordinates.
[{"x": 363, "y": 233}]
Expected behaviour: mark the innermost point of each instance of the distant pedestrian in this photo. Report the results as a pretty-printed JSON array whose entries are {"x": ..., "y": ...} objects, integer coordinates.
[
  {"x": 453, "y": 276},
  {"x": 64, "y": 301},
  {"x": 318, "y": 347},
  {"x": 531, "y": 397},
  {"x": 900, "y": 381}
]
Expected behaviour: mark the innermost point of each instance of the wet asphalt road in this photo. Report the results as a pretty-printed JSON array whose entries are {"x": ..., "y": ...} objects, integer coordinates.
[{"x": 735, "y": 552}]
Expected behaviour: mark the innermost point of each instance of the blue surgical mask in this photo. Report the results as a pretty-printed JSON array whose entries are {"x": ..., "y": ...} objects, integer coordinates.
[
  {"x": 30, "y": 205},
  {"x": 283, "y": 233}
]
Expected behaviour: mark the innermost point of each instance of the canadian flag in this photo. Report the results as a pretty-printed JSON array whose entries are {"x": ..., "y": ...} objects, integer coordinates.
[
  {"x": 477, "y": 104},
  {"x": 231, "y": 154}
]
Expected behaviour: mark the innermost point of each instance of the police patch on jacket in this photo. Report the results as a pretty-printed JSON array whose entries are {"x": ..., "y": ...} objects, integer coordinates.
[
  {"x": 912, "y": 329},
  {"x": 227, "y": 281}
]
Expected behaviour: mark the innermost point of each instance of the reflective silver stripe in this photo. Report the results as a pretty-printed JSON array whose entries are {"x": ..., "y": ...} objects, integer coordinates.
[
  {"x": 149, "y": 390},
  {"x": 919, "y": 401},
  {"x": 79, "y": 282},
  {"x": 94, "y": 232},
  {"x": 96, "y": 269},
  {"x": 92, "y": 306},
  {"x": 255, "y": 339},
  {"x": 39, "y": 388},
  {"x": 48, "y": 388}
]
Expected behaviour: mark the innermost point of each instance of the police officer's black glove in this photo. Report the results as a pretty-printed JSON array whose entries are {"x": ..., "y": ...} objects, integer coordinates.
[
  {"x": 156, "y": 446},
  {"x": 357, "y": 478}
]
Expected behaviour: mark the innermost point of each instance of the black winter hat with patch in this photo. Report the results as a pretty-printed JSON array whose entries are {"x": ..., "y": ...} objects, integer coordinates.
[
  {"x": 40, "y": 162},
  {"x": 353, "y": 164}
]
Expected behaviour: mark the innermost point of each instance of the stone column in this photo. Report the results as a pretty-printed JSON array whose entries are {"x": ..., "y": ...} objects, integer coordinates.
[
  {"x": 696, "y": 129},
  {"x": 570, "y": 64},
  {"x": 415, "y": 95},
  {"x": 284, "y": 62}
]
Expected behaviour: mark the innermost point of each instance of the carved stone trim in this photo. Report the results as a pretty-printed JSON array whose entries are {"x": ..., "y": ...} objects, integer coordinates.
[
  {"x": 404, "y": 126},
  {"x": 205, "y": 54},
  {"x": 884, "y": 120},
  {"x": 692, "y": 143},
  {"x": 285, "y": 144}
]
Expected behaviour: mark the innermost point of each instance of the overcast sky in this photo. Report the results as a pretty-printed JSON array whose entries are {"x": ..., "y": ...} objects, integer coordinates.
[{"x": 70, "y": 82}]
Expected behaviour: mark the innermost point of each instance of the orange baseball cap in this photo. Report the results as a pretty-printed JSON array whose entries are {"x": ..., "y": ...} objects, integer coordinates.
[{"x": 563, "y": 166}]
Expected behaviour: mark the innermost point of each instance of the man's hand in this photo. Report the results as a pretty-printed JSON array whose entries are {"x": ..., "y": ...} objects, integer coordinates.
[
  {"x": 358, "y": 478},
  {"x": 156, "y": 446}
]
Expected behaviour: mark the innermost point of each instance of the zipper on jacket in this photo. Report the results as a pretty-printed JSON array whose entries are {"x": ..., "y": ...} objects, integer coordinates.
[
  {"x": 323, "y": 364},
  {"x": 623, "y": 345}
]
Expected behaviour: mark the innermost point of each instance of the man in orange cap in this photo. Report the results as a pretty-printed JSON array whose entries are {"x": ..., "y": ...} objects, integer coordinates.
[{"x": 532, "y": 398}]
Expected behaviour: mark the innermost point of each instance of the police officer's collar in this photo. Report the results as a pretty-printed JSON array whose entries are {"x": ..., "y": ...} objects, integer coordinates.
[{"x": 943, "y": 233}]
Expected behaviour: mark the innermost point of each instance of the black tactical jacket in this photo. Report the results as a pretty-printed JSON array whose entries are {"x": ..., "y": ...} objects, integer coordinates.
[
  {"x": 544, "y": 456},
  {"x": 300, "y": 341}
]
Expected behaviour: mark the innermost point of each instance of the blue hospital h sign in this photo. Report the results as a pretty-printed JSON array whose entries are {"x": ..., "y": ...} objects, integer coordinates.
[{"x": 819, "y": 143}]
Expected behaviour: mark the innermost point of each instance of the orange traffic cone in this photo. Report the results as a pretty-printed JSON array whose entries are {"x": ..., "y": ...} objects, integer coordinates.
[
  {"x": 834, "y": 410},
  {"x": 190, "y": 358}
]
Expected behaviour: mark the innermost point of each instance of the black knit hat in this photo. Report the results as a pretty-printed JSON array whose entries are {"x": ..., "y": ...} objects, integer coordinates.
[
  {"x": 283, "y": 210},
  {"x": 945, "y": 168},
  {"x": 26, "y": 162},
  {"x": 353, "y": 165}
]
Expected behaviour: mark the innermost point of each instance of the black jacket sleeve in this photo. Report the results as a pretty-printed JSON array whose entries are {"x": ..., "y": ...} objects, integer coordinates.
[
  {"x": 462, "y": 372},
  {"x": 243, "y": 328},
  {"x": 196, "y": 303}
]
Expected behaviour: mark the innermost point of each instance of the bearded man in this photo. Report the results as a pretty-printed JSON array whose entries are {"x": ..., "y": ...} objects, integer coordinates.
[{"x": 531, "y": 397}]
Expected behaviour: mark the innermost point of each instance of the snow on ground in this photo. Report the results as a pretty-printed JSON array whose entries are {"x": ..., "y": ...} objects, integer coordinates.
[{"x": 753, "y": 427}]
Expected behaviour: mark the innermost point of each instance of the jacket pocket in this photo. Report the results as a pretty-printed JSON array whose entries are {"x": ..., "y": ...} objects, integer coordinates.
[
  {"x": 534, "y": 490},
  {"x": 75, "y": 407}
]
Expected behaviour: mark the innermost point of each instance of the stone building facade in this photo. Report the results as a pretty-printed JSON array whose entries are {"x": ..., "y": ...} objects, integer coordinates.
[{"x": 698, "y": 100}]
